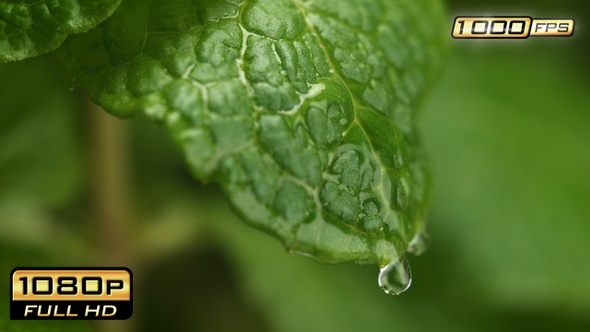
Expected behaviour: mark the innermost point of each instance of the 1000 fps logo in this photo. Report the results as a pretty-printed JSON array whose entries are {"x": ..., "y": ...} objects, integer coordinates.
[
  {"x": 506, "y": 27},
  {"x": 71, "y": 293}
]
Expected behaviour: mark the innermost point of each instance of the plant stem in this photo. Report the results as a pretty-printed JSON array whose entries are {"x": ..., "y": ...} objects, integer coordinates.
[
  {"x": 111, "y": 186},
  {"x": 112, "y": 196}
]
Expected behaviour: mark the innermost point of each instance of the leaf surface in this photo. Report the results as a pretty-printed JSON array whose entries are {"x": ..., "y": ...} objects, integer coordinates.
[
  {"x": 29, "y": 28},
  {"x": 303, "y": 112}
]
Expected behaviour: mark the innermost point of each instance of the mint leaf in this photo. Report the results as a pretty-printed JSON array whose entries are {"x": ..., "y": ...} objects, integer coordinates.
[
  {"x": 30, "y": 28},
  {"x": 303, "y": 112},
  {"x": 332, "y": 289}
]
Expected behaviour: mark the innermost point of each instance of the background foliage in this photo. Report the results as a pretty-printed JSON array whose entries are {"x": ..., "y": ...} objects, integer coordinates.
[{"x": 506, "y": 129}]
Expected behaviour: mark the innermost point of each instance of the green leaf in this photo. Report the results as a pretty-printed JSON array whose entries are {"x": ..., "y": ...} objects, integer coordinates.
[
  {"x": 344, "y": 297},
  {"x": 30, "y": 28},
  {"x": 303, "y": 112}
]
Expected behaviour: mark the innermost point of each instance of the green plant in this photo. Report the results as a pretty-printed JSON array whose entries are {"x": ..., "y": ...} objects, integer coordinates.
[
  {"x": 506, "y": 129},
  {"x": 303, "y": 112}
]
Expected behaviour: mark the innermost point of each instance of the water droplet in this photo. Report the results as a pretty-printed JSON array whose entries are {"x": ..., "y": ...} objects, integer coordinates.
[
  {"x": 396, "y": 277},
  {"x": 419, "y": 243}
]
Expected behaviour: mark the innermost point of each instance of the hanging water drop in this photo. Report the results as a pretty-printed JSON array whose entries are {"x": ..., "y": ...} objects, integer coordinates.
[
  {"x": 419, "y": 243},
  {"x": 396, "y": 277}
]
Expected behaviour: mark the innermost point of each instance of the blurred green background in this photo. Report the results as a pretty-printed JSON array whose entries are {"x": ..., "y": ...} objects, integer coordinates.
[{"x": 507, "y": 131}]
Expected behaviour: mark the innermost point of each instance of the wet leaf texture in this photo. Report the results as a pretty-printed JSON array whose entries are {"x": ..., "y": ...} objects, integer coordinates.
[
  {"x": 31, "y": 27},
  {"x": 303, "y": 112}
]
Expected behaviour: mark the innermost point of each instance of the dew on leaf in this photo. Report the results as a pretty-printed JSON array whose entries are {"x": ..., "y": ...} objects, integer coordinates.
[
  {"x": 372, "y": 222},
  {"x": 371, "y": 206},
  {"x": 268, "y": 99},
  {"x": 294, "y": 203},
  {"x": 419, "y": 243},
  {"x": 396, "y": 277},
  {"x": 403, "y": 192}
]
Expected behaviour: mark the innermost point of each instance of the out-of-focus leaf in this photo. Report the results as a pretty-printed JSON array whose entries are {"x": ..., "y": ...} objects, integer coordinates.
[
  {"x": 40, "y": 161},
  {"x": 302, "y": 111},
  {"x": 510, "y": 141},
  {"x": 30, "y": 28},
  {"x": 39, "y": 156},
  {"x": 40, "y": 168}
]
